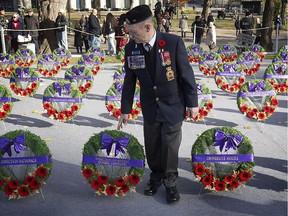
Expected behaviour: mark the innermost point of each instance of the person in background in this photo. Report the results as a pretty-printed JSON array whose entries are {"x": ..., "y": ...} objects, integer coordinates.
[
  {"x": 15, "y": 24},
  {"x": 237, "y": 25},
  {"x": 120, "y": 34},
  {"x": 4, "y": 24},
  {"x": 246, "y": 24},
  {"x": 109, "y": 31},
  {"x": 278, "y": 22},
  {"x": 211, "y": 36},
  {"x": 94, "y": 28},
  {"x": 167, "y": 88},
  {"x": 183, "y": 25},
  {"x": 258, "y": 31},
  {"x": 166, "y": 22},
  {"x": 200, "y": 25},
  {"x": 84, "y": 28},
  {"x": 78, "y": 38},
  {"x": 61, "y": 34},
  {"x": 31, "y": 23},
  {"x": 210, "y": 18}
]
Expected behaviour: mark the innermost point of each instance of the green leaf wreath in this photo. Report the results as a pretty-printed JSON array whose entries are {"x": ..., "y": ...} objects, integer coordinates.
[
  {"x": 228, "y": 174},
  {"x": 193, "y": 52},
  {"x": 61, "y": 110},
  {"x": 277, "y": 75},
  {"x": 227, "y": 52},
  {"x": 7, "y": 64},
  {"x": 108, "y": 179},
  {"x": 63, "y": 55},
  {"x": 282, "y": 55},
  {"x": 49, "y": 65},
  {"x": 259, "y": 50},
  {"x": 250, "y": 62},
  {"x": 6, "y": 102},
  {"x": 24, "y": 57},
  {"x": 24, "y": 81},
  {"x": 209, "y": 63},
  {"x": 81, "y": 76},
  {"x": 253, "y": 108},
  {"x": 19, "y": 181},
  {"x": 92, "y": 61}
]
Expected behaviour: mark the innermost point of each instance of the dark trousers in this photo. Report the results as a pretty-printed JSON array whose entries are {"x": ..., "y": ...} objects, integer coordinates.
[
  {"x": 86, "y": 43},
  {"x": 35, "y": 41},
  {"x": 183, "y": 34},
  {"x": 162, "y": 142}
]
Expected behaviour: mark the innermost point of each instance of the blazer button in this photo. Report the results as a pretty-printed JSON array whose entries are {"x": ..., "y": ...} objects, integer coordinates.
[
  {"x": 154, "y": 87},
  {"x": 157, "y": 99}
]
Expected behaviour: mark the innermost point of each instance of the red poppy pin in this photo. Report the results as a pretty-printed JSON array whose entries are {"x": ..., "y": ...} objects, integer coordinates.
[{"x": 161, "y": 43}]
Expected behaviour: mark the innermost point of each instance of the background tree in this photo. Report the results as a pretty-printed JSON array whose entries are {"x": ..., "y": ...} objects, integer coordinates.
[
  {"x": 283, "y": 10},
  {"x": 206, "y": 6},
  {"x": 25, "y": 3},
  {"x": 48, "y": 11},
  {"x": 267, "y": 21}
]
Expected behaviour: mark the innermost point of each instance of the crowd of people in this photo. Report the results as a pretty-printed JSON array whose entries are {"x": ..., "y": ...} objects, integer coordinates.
[{"x": 89, "y": 31}]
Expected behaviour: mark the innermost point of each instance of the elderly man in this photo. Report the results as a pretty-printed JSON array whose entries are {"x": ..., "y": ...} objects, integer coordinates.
[
  {"x": 61, "y": 33},
  {"x": 159, "y": 61},
  {"x": 95, "y": 28},
  {"x": 31, "y": 23}
]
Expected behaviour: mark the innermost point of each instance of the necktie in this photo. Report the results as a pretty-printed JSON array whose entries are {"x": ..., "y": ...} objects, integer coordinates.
[{"x": 148, "y": 47}]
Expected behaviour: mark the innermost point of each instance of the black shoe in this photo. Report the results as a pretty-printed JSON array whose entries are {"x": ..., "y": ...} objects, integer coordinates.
[
  {"x": 151, "y": 188},
  {"x": 172, "y": 195}
]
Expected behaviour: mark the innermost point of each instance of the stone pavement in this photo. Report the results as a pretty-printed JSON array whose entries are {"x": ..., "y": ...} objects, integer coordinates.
[{"x": 66, "y": 194}]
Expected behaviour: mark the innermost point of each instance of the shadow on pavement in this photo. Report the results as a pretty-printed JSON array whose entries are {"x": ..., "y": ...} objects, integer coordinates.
[{"x": 27, "y": 121}]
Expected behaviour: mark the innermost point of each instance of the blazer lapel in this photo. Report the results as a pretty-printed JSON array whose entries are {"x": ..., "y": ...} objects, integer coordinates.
[{"x": 159, "y": 68}]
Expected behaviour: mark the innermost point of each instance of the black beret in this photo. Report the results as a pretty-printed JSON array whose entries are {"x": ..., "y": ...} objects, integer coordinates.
[
  {"x": 137, "y": 14},
  {"x": 2, "y": 8}
]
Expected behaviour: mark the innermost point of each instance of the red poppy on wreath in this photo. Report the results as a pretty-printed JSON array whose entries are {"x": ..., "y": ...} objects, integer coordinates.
[
  {"x": 209, "y": 63},
  {"x": 49, "y": 65},
  {"x": 161, "y": 43},
  {"x": 193, "y": 52},
  {"x": 6, "y": 64},
  {"x": 6, "y": 102}
]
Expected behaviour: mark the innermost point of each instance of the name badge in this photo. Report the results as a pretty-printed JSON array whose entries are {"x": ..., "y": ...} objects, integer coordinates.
[{"x": 136, "y": 62}]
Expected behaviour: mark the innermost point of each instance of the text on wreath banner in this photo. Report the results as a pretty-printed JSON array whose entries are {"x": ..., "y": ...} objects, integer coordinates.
[
  {"x": 25, "y": 160},
  {"x": 222, "y": 158},
  {"x": 113, "y": 161}
]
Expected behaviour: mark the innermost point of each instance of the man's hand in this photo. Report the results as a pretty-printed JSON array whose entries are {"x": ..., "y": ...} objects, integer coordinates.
[
  {"x": 192, "y": 111},
  {"x": 123, "y": 120}
]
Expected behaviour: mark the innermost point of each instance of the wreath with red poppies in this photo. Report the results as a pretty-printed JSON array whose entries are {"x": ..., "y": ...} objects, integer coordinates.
[
  {"x": 24, "y": 81},
  {"x": 259, "y": 50},
  {"x": 257, "y": 99},
  {"x": 282, "y": 55},
  {"x": 227, "y": 52},
  {"x": 63, "y": 55},
  {"x": 81, "y": 76},
  {"x": 277, "y": 75},
  {"x": 222, "y": 159},
  {"x": 6, "y": 102},
  {"x": 92, "y": 61},
  {"x": 113, "y": 100},
  {"x": 62, "y": 100},
  {"x": 194, "y": 51},
  {"x": 49, "y": 65},
  {"x": 209, "y": 63},
  {"x": 24, "y": 57},
  {"x": 31, "y": 154},
  {"x": 250, "y": 62},
  {"x": 205, "y": 103},
  {"x": 229, "y": 78},
  {"x": 98, "y": 51},
  {"x": 6, "y": 64},
  {"x": 113, "y": 163}
]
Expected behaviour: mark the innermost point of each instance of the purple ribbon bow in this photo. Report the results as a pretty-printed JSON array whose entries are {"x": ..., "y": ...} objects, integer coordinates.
[
  {"x": 280, "y": 69},
  {"x": 284, "y": 55},
  {"x": 255, "y": 48},
  {"x": 209, "y": 56},
  {"x": 58, "y": 88},
  {"x": 230, "y": 68},
  {"x": 221, "y": 140},
  {"x": 248, "y": 56},
  {"x": 227, "y": 47},
  {"x": 77, "y": 71},
  {"x": 48, "y": 57},
  {"x": 61, "y": 51},
  {"x": 18, "y": 142},
  {"x": 88, "y": 58},
  {"x": 95, "y": 49},
  {"x": 4, "y": 58},
  {"x": 25, "y": 52},
  {"x": 199, "y": 87},
  {"x": 21, "y": 72},
  {"x": 119, "y": 86},
  {"x": 196, "y": 48},
  {"x": 107, "y": 142},
  {"x": 256, "y": 87}
]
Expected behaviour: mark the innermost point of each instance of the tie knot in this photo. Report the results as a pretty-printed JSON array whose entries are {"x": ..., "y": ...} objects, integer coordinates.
[{"x": 148, "y": 47}]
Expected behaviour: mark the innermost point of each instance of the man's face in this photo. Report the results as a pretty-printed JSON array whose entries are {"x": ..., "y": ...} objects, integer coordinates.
[
  {"x": 2, "y": 12},
  {"x": 138, "y": 32},
  {"x": 30, "y": 13}
]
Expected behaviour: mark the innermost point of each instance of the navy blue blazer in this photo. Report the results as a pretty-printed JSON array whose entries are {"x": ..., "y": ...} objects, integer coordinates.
[{"x": 172, "y": 96}]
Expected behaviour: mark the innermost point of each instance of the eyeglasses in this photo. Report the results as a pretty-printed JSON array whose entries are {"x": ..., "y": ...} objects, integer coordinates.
[{"x": 14, "y": 17}]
